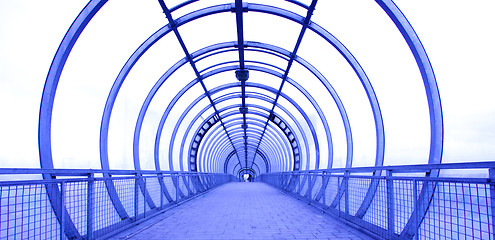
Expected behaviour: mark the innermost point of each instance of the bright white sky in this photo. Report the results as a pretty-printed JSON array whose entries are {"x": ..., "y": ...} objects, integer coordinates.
[{"x": 458, "y": 37}]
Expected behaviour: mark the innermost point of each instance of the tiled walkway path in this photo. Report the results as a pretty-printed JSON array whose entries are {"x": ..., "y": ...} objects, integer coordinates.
[{"x": 242, "y": 211}]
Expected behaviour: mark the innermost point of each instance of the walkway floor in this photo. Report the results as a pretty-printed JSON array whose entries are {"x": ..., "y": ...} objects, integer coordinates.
[{"x": 243, "y": 211}]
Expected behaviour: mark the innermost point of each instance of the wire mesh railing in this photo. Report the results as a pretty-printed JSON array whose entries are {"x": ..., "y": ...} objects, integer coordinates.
[
  {"x": 91, "y": 203},
  {"x": 401, "y": 202}
]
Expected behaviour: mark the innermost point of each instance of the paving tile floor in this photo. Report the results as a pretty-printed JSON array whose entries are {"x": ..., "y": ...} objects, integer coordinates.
[{"x": 244, "y": 210}]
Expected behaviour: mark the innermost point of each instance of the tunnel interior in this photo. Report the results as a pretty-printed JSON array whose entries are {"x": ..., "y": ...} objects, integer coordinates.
[
  {"x": 239, "y": 88},
  {"x": 151, "y": 104}
]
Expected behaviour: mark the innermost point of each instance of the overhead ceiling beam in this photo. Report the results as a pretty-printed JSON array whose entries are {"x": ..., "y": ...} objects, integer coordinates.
[{"x": 242, "y": 74}]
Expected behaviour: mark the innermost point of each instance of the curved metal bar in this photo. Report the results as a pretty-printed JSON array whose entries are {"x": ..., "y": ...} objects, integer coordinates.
[
  {"x": 276, "y": 145},
  {"x": 128, "y": 66},
  {"x": 279, "y": 52},
  {"x": 169, "y": 108},
  {"x": 284, "y": 96},
  {"x": 277, "y": 142},
  {"x": 380, "y": 135},
  {"x": 183, "y": 4},
  {"x": 216, "y": 9},
  {"x": 162, "y": 123},
  {"x": 46, "y": 108},
  {"x": 435, "y": 151},
  {"x": 319, "y": 112},
  {"x": 200, "y": 113},
  {"x": 434, "y": 107},
  {"x": 196, "y": 142},
  {"x": 219, "y": 46},
  {"x": 226, "y": 116},
  {"x": 233, "y": 113},
  {"x": 278, "y": 133},
  {"x": 284, "y": 77},
  {"x": 255, "y": 112},
  {"x": 269, "y": 71},
  {"x": 107, "y": 129},
  {"x": 260, "y": 153},
  {"x": 224, "y": 98}
]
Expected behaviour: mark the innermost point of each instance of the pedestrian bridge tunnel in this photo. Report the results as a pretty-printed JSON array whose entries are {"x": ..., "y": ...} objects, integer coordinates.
[
  {"x": 235, "y": 87},
  {"x": 200, "y": 93}
]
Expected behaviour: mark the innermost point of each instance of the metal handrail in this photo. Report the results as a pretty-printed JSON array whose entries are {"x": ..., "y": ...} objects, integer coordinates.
[
  {"x": 85, "y": 172},
  {"x": 402, "y": 207},
  {"x": 68, "y": 204},
  {"x": 408, "y": 168}
]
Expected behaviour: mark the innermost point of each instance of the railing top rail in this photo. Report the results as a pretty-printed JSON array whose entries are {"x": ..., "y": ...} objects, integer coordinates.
[
  {"x": 407, "y": 168},
  {"x": 87, "y": 172}
]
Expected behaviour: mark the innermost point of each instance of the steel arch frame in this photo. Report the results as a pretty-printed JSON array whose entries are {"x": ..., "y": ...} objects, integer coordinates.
[
  {"x": 185, "y": 90},
  {"x": 297, "y": 86},
  {"x": 215, "y": 131},
  {"x": 235, "y": 106},
  {"x": 202, "y": 111},
  {"x": 215, "y": 138},
  {"x": 216, "y": 71},
  {"x": 277, "y": 135},
  {"x": 436, "y": 122},
  {"x": 260, "y": 153},
  {"x": 271, "y": 145}
]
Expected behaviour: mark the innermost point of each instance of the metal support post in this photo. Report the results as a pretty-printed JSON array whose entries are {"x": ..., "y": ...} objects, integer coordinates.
[
  {"x": 325, "y": 190},
  {"x": 89, "y": 207},
  {"x": 62, "y": 212},
  {"x": 390, "y": 205},
  {"x": 337, "y": 196},
  {"x": 416, "y": 206},
  {"x": 144, "y": 198},
  {"x": 310, "y": 185},
  {"x": 188, "y": 185},
  {"x": 492, "y": 199},
  {"x": 161, "y": 193},
  {"x": 346, "y": 187},
  {"x": 136, "y": 197},
  {"x": 176, "y": 176}
]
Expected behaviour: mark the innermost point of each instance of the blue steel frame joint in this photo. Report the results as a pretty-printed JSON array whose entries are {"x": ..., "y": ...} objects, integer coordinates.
[{"x": 242, "y": 74}]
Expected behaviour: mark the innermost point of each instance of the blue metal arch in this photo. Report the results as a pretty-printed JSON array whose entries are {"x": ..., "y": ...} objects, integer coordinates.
[
  {"x": 272, "y": 146},
  {"x": 260, "y": 153},
  {"x": 264, "y": 115},
  {"x": 235, "y": 106},
  {"x": 197, "y": 139},
  {"x": 306, "y": 118},
  {"x": 178, "y": 96},
  {"x": 291, "y": 16},
  {"x": 274, "y": 132},
  {"x": 279, "y": 52},
  {"x": 286, "y": 97},
  {"x": 233, "y": 123},
  {"x": 213, "y": 130},
  {"x": 220, "y": 88},
  {"x": 436, "y": 123}
]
